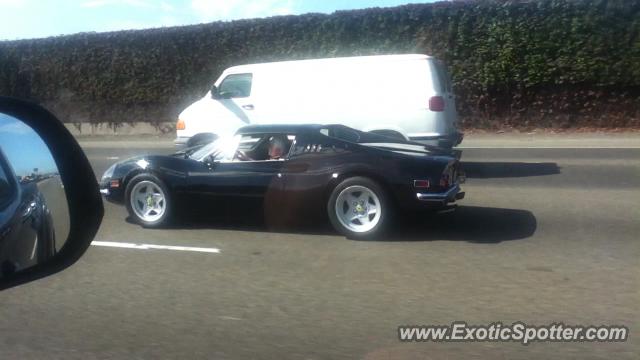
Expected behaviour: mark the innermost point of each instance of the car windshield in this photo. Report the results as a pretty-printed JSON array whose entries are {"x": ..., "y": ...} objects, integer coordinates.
[{"x": 223, "y": 148}]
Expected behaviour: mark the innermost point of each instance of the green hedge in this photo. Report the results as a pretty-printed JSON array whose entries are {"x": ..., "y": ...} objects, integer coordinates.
[{"x": 522, "y": 63}]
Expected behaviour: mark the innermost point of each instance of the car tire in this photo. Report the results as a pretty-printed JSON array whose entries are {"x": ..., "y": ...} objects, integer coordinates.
[
  {"x": 354, "y": 200},
  {"x": 148, "y": 201}
]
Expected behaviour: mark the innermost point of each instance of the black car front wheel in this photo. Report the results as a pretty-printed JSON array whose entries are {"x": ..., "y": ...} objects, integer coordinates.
[
  {"x": 148, "y": 200},
  {"x": 359, "y": 208}
]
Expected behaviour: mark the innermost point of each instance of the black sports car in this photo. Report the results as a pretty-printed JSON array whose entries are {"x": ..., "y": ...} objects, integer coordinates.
[
  {"x": 360, "y": 180},
  {"x": 27, "y": 235}
]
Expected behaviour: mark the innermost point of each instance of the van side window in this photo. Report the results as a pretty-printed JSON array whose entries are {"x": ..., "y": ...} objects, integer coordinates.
[{"x": 235, "y": 86}]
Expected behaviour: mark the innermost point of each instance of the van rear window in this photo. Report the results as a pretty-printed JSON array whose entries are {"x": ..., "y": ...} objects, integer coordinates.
[{"x": 442, "y": 77}]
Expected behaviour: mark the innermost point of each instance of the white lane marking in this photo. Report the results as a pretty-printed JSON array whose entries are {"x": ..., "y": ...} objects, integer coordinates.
[
  {"x": 113, "y": 157},
  {"x": 153, "y": 247}
]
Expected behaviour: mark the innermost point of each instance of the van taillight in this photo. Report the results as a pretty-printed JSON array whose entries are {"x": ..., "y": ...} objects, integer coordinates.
[
  {"x": 436, "y": 103},
  {"x": 180, "y": 125}
]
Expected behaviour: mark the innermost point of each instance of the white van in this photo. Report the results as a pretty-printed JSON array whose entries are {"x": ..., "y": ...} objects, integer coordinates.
[{"x": 406, "y": 96}]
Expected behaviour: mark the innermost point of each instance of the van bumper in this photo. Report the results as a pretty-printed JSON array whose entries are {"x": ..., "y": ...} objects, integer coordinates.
[{"x": 444, "y": 141}]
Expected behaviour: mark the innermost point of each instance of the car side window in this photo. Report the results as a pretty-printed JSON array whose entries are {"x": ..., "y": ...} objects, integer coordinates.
[
  {"x": 236, "y": 86},
  {"x": 341, "y": 133},
  {"x": 264, "y": 147}
]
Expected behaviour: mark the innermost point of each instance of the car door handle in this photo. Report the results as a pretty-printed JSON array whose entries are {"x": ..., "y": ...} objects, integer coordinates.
[{"x": 248, "y": 107}]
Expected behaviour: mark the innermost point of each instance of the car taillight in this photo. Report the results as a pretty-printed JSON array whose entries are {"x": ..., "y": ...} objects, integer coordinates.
[
  {"x": 448, "y": 177},
  {"x": 444, "y": 181},
  {"x": 421, "y": 184},
  {"x": 436, "y": 103},
  {"x": 180, "y": 125}
]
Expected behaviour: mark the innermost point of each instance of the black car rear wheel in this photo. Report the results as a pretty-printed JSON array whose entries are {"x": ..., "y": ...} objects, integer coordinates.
[
  {"x": 358, "y": 208},
  {"x": 148, "y": 200}
]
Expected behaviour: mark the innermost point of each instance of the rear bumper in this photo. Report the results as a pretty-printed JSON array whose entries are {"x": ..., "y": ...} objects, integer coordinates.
[
  {"x": 111, "y": 194},
  {"x": 442, "y": 198}
]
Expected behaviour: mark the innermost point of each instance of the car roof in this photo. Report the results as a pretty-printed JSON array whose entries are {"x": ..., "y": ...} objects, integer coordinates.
[{"x": 278, "y": 129}]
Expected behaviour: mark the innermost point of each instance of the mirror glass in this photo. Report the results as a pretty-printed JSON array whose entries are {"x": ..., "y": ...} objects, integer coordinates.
[{"x": 34, "y": 217}]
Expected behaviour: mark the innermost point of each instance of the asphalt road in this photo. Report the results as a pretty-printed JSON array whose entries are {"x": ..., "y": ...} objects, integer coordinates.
[
  {"x": 544, "y": 236},
  {"x": 55, "y": 197}
]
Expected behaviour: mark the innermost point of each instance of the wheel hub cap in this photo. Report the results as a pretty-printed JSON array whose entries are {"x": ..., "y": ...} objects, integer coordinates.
[
  {"x": 148, "y": 201},
  {"x": 358, "y": 208}
]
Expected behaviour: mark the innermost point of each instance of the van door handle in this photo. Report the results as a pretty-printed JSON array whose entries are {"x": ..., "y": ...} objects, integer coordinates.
[{"x": 248, "y": 107}]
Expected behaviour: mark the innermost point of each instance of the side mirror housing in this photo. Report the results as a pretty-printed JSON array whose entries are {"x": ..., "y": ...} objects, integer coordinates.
[{"x": 50, "y": 205}]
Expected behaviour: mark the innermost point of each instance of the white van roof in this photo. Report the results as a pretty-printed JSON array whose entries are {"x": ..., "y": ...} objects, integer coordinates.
[{"x": 329, "y": 61}]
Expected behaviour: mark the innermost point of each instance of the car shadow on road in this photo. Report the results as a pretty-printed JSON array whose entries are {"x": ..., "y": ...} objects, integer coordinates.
[
  {"x": 482, "y": 225},
  {"x": 475, "y": 224},
  {"x": 488, "y": 170}
]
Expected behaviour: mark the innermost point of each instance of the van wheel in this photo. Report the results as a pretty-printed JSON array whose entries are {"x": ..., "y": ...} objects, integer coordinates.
[
  {"x": 148, "y": 200},
  {"x": 359, "y": 208},
  {"x": 201, "y": 139},
  {"x": 389, "y": 133}
]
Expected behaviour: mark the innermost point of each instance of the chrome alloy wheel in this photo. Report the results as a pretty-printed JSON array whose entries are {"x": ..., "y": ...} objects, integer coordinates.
[
  {"x": 148, "y": 201},
  {"x": 358, "y": 208}
]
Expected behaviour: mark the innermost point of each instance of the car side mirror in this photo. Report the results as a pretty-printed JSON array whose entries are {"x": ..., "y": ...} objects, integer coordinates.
[
  {"x": 50, "y": 205},
  {"x": 214, "y": 92}
]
